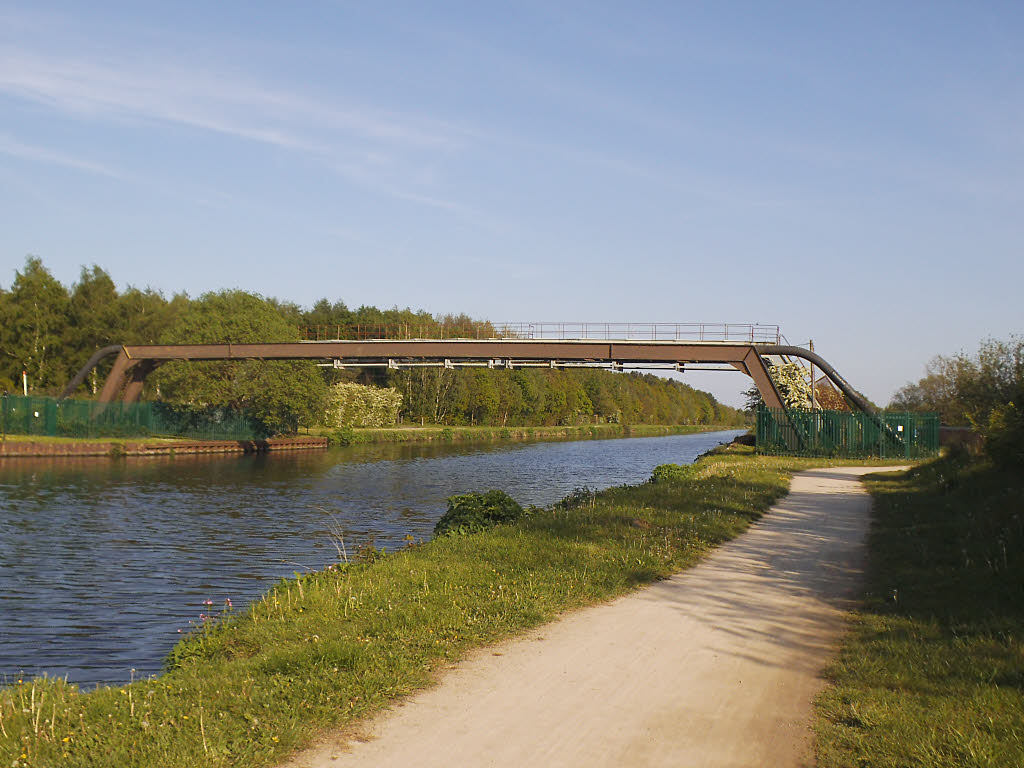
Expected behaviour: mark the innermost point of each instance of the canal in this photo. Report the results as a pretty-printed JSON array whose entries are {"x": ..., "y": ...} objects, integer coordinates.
[{"x": 103, "y": 563}]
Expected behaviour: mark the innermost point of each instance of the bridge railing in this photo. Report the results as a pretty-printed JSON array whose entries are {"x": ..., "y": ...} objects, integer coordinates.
[
  {"x": 710, "y": 332},
  {"x": 721, "y": 332},
  {"x": 398, "y": 331}
]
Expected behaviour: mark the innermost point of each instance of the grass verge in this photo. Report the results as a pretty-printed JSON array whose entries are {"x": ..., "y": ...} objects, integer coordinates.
[
  {"x": 328, "y": 648},
  {"x": 932, "y": 673}
]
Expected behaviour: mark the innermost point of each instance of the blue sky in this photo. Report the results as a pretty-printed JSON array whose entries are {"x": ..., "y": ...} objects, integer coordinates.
[{"x": 852, "y": 172}]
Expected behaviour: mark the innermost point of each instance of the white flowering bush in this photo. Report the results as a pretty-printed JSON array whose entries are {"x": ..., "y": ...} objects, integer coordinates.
[
  {"x": 356, "y": 405},
  {"x": 791, "y": 381}
]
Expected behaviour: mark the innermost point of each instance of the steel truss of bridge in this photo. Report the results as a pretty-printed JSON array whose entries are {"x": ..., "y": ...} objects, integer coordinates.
[{"x": 135, "y": 362}]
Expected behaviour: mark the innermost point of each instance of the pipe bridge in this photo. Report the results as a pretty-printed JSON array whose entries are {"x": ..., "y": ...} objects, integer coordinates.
[{"x": 134, "y": 363}]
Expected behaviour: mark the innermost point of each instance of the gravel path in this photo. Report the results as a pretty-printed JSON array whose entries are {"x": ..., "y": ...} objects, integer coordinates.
[{"x": 716, "y": 666}]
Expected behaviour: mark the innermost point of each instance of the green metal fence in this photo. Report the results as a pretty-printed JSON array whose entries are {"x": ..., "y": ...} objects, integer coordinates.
[
  {"x": 795, "y": 432},
  {"x": 47, "y": 416}
]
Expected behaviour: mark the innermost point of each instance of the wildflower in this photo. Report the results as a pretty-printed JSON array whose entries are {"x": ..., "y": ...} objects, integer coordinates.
[
  {"x": 207, "y": 602},
  {"x": 228, "y": 602}
]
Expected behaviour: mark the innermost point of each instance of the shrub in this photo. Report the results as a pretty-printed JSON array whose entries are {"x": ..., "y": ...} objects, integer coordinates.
[
  {"x": 472, "y": 512},
  {"x": 355, "y": 405},
  {"x": 343, "y": 436},
  {"x": 578, "y": 499},
  {"x": 672, "y": 473},
  {"x": 1004, "y": 436}
]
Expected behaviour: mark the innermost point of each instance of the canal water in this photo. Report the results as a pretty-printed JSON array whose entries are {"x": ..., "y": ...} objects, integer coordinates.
[{"x": 102, "y": 562}]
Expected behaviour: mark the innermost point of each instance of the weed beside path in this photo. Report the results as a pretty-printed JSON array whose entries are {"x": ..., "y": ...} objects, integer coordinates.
[
  {"x": 328, "y": 648},
  {"x": 932, "y": 673}
]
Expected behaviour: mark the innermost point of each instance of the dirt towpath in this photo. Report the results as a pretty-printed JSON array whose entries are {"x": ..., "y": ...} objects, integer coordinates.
[{"x": 716, "y": 666}]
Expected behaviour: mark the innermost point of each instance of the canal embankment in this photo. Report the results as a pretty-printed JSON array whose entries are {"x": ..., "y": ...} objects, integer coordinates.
[
  {"x": 329, "y": 648},
  {"x": 152, "y": 539},
  {"x": 66, "y": 448},
  {"x": 13, "y": 446},
  {"x": 465, "y": 434}
]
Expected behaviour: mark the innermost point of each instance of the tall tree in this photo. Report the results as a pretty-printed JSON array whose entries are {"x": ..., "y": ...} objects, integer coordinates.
[
  {"x": 35, "y": 314},
  {"x": 282, "y": 395},
  {"x": 93, "y": 319},
  {"x": 146, "y": 314}
]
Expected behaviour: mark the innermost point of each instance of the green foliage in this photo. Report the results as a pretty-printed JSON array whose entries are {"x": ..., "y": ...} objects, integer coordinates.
[
  {"x": 356, "y": 405},
  {"x": 344, "y": 436},
  {"x": 280, "y": 395},
  {"x": 985, "y": 390},
  {"x": 553, "y": 398},
  {"x": 473, "y": 512},
  {"x": 1004, "y": 435},
  {"x": 673, "y": 473},
  {"x": 51, "y": 332},
  {"x": 791, "y": 381},
  {"x": 578, "y": 498},
  {"x": 964, "y": 388},
  {"x": 33, "y": 319}
]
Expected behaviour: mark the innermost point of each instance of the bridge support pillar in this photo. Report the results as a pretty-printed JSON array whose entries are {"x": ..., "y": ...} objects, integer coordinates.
[
  {"x": 754, "y": 367},
  {"x": 117, "y": 378},
  {"x": 139, "y": 372}
]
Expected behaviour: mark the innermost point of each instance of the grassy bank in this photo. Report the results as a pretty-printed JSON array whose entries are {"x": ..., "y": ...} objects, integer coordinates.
[
  {"x": 352, "y": 436},
  {"x": 331, "y": 647},
  {"x": 932, "y": 673}
]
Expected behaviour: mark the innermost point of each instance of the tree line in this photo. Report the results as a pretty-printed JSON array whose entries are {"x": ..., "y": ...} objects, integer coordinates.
[
  {"x": 984, "y": 390},
  {"x": 49, "y": 331}
]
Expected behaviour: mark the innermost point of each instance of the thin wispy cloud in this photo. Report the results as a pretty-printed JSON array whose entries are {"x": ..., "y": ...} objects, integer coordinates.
[
  {"x": 367, "y": 146},
  {"x": 204, "y": 99},
  {"x": 14, "y": 148}
]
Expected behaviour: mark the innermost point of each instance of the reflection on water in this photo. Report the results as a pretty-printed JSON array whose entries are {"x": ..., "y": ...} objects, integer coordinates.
[{"x": 102, "y": 562}]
